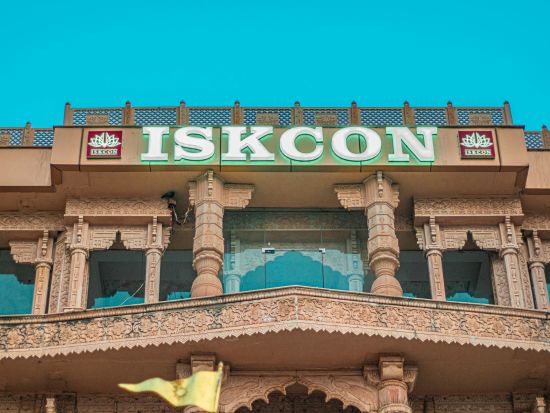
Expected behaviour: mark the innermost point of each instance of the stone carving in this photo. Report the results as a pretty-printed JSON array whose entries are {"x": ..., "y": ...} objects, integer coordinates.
[
  {"x": 209, "y": 195},
  {"x": 480, "y": 119},
  {"x": 5, "y": 139},
  {"x": 429, "y": 240},
  {"x": 39, "y": 221},
  {"x": 284, "y": 309},
  {"x": 538, "y": 251},
  {"x": 267, "y": 118},
  {"x": 462, "y": 209},
  {"x": 243, "y": 390},
  {"x": 115, "y": 208},
  {"x": 494, "y": 403},
  {"x": 501, "y": 291},
  {"x": 97, "y": 119},
  {"x": 504, "y": 238},
  {"x": 60, "y": 276},
  {"x": 378, "y": 196},
  {"x": 330, "y": 119},
  {"x": 538, "y": 222},
  {"x": 394, "y": 381}
]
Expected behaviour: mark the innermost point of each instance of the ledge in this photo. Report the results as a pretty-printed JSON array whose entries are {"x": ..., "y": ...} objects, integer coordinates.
[{"x": 271, "y": 311}]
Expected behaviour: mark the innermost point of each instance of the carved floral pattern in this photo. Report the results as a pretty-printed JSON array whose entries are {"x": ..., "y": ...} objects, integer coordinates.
[{"x": 281, "y": 310}]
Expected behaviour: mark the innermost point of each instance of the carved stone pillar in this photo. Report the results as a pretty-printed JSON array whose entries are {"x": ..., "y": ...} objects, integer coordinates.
[
  {"x": 429, "y": 240},
  {"x": 378, "y": 196},
  {"x": 356, "y": 278},
  {"x": 210, "y": 196},
  {"x": 153, "y": 254},
  {"x": 394, "y": 382},
  {"x": 232, "y": 274},
  {"x": 79, "y": 271},
  {"x": 509, "y": 251},
  {"x": 39, "y": 254},
  {"x": 537, "y": 263}
]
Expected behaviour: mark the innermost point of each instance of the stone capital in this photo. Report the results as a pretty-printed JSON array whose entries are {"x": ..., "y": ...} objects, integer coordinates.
[{"x": 376, "y": 188}]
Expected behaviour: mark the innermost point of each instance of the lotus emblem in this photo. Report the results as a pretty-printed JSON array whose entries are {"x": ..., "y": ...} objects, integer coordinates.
[
  {"x": 475, "y": 140},
  {"x": 104, "y": 140}
]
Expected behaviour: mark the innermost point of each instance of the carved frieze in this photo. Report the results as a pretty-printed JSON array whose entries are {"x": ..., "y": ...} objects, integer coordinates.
[
  {"x": 281, "y": 310},
  {"x": 459, "y": 211},
  {"x": 102, "y": 210},
  {"x": 38, "y": 222}
]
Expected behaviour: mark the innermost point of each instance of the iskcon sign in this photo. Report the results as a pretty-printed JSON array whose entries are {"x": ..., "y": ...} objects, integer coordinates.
[{"x": 265, "y": 144}]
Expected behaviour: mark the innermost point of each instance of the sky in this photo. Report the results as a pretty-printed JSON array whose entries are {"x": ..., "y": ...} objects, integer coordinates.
[{"x": 273, "y": 53}]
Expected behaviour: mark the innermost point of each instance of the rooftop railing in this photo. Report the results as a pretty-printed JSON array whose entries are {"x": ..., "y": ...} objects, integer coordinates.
[
  {"x": 26, "y": 137},
  {"x": 279, "y": 116},
  {"x": 285, "y": 116}
]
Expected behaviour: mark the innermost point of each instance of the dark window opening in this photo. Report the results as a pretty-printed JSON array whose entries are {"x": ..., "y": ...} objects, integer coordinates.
[
  {"x": 117, "y": 277},
  {"x": 467, "y": 276},
  {"x": 176, "y": 275},
  {"x": 16, "y": 285}
]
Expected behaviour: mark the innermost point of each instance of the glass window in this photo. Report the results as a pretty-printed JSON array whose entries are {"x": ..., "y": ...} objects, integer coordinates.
[
  {"x": 176, "y": 275},
  {"x": 468, "y": 276},
  {"x": 413, "y": 274},
  {"x": 16, "y": 285},
  {"x": 117, "y": 277},
  {"x": 274, "y": 249}
]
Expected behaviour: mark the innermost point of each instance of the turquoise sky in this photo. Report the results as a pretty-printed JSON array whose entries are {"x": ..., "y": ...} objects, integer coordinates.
[{"x": 155, "y": 53}]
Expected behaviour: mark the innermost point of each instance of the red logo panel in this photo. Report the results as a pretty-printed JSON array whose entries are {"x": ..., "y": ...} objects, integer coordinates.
[
  {"x": 104, "y": 144},
  {"x": 476, "y": 145}
]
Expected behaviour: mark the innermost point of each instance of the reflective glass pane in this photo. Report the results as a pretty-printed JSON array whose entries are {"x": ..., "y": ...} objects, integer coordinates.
[
  {"x": 468, "y": 276},
  {"x": 413, "y": 274},
  {"x": 294, "y": 267},
  {"x": 117, "y": 278},
  {"x": 176, "y": 275},
  {"x": 267, "y": 249},
  {"x": 16, "y": 285}
]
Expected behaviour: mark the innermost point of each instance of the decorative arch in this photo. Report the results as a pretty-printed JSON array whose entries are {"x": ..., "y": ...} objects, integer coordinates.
[{"x": 351, "y": 390}]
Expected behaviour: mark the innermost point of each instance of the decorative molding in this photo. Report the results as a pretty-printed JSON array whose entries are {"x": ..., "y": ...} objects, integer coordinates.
[
  {"x": 539, "y": 222},
  {"x": 107, "y": 210},
  {"x": 237, "y": 196},
  {"x": 24, "y": 252},
  {"x": 458, "y": 211},
  {"x": 39, "y": 221},
  {"x": 285, "y": 309},
  {"x": 244, "y": 389}
]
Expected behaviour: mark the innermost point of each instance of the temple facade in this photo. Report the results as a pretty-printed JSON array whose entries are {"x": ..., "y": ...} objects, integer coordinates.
[{"x": 390, "y": 260}]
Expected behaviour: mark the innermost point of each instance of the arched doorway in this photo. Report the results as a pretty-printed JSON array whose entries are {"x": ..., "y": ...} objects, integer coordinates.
[{"x": 297, "y": 400}]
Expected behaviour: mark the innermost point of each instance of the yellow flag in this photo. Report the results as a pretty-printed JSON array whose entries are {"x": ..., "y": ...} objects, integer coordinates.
[{"x": 202, "y": 389}]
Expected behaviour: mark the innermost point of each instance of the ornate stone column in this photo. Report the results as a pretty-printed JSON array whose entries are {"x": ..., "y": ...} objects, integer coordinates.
[
  {"x": 79, "y": 271},
  {"x": 40, "y": 255},
  {"x": 153, "y": 254},
  {"x": 394, "y": 382},
  {"x": 378, "y": 196},
  {"x": 508, "y": 251},
  {"x": 537, "y": 263},
  {"x": 356, "y": 278},
  {"x": 429, "y": 240},
  {"x": 210, "y": 196}
]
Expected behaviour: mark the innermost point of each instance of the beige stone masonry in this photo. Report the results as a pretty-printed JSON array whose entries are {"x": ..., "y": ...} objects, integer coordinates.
[
  {"x": 141, "y": 229},
  {"x": 210, "y": 196},
  {"x": 443, "y": 224},
  {"x": 378, "y": 196}
]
